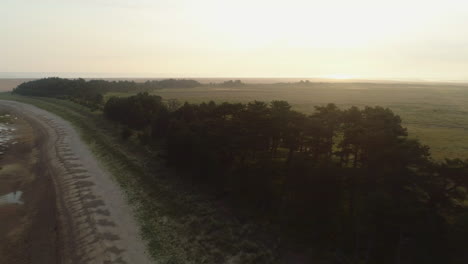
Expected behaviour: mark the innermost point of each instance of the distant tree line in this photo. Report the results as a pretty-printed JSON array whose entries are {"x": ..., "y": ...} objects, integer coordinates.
[
  {"x": 171, "y": 83},
  {"x": 349, "y": 183},
  {"x": 80, "y": 91},
  {"x": 229, "y": 83},
  {"x": 90, "y": 93},
  {"x": 232, "y": 83}
]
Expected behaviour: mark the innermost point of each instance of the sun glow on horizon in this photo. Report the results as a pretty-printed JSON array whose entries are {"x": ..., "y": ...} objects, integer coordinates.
[{"x": 341, "y": 76}]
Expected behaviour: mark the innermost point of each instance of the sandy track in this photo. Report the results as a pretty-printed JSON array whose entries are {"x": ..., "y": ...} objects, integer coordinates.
[{"x": 96, "y": 223}]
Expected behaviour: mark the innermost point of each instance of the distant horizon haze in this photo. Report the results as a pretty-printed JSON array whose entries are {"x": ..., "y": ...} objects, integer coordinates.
[
  {"x": 334, "y": 39},
  {"x": 257, "y": 79}
]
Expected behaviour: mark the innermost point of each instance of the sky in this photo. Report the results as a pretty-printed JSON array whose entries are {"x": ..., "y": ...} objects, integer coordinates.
[{"x": 365, "y": 39}]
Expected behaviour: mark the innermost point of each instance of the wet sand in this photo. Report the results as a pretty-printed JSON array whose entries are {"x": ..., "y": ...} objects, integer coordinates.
[
  {"x": 28, "y": 225},
  {"x": 74, "y": 211}
]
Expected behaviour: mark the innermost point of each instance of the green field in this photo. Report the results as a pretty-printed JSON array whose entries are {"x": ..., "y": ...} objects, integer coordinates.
[{"x": 437, "y": 114}]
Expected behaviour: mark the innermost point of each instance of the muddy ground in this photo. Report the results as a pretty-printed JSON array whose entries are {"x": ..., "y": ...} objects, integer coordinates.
[
  {"x": 87, "y": 219},
  {"x": 28, "y": 231}
]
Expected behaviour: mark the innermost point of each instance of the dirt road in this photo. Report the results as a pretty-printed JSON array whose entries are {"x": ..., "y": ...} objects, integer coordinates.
[{"x": 91, "y": 221}]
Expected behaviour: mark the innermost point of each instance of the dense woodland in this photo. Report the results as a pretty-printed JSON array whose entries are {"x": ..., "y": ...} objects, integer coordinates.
[
  {"x": 348, "y": 185},
  {"x": 343, "y": 181}
]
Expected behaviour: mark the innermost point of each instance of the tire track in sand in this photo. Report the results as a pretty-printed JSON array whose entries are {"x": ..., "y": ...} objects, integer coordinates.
[{"x": 96, "y": 223}]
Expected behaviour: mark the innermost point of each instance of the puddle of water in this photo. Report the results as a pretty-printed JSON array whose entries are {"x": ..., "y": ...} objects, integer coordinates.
[
  {"x": 6, "y": 135},
  {"x": 11, "y": 198}
]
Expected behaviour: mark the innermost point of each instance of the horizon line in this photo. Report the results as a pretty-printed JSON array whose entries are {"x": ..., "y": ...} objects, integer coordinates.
[{"x": 104, "y": 75}]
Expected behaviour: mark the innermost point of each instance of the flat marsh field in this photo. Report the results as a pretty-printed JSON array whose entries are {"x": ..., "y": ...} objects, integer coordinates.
[{"x": 437, "y": 114}]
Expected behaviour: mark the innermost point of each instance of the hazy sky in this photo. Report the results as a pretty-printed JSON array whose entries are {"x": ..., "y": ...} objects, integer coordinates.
[{"x": 239, "y": 38}]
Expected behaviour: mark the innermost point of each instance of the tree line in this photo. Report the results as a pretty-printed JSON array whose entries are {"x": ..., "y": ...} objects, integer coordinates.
[
  {"x": 90, "y": 93},
  {"x": 348, "y": 183},
  {"x": 80, "y": 91}
]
